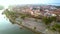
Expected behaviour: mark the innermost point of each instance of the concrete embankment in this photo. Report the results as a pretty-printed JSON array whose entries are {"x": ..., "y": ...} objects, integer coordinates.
[
  {"x": 25, "y": 24},
  {"x": 35, "y": 26}
]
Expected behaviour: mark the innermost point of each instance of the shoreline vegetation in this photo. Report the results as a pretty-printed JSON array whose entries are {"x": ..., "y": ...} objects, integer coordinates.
[
  {"x": 12, "y": 20},
  {"x": 50, "y": 22}
]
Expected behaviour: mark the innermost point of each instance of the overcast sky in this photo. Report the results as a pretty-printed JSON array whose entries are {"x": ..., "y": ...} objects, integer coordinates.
[{"x": 11, "y": 2}]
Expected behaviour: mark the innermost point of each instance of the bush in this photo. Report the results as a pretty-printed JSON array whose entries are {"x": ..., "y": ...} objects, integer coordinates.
[
  {"x": 48, "y": 20},
  {"x": 56, "y": 27},
  {"x": 23, "y": 16},
  {"x": 34, "y": 28}
]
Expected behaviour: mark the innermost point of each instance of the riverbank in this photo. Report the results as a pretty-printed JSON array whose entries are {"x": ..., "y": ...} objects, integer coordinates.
[
  {"x": 24, "y": 26},
  {"x": 33, "y": 24},
  {"x": 35, "y": 27}
]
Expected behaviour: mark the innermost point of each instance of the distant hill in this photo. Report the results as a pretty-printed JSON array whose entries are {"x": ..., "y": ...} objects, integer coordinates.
[
  {"x": 1, "y": 7},
  {"x": 57, "y": 6}
]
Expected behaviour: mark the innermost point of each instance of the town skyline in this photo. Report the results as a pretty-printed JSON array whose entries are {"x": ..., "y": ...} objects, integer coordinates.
[{"x": 20, "y": 2}]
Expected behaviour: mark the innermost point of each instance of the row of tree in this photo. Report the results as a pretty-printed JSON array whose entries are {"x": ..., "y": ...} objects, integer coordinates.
[{"x": 52, "y": 23}]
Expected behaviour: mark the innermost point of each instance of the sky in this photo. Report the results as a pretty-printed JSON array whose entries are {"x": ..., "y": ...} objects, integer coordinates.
[{"x": 12, "y": 2}]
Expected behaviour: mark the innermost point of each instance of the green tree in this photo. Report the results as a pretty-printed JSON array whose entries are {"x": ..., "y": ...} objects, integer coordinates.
[
  {"x": 56, "y": 27},
  {"x": 46, "y": 20}
]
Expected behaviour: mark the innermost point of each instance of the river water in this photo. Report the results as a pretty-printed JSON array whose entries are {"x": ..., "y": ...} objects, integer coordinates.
[{"x": 6, "y": 27}]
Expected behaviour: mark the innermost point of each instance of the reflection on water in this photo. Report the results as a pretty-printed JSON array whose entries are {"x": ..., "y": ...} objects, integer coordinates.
[{"x": 7, "y": 28}]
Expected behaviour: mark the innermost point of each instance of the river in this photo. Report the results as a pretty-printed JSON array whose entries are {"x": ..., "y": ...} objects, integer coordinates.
[{"x": 6, "y": 27}]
